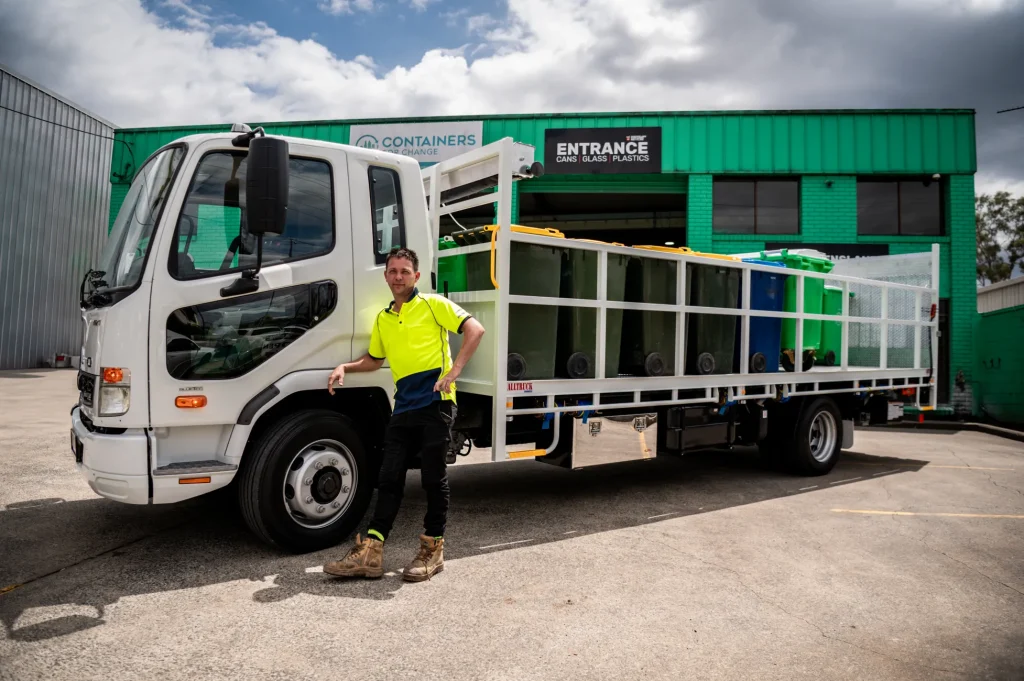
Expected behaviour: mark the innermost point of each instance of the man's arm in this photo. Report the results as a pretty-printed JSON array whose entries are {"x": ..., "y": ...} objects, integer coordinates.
[
  {"x": 473, "y": 332},
  {"x": 365, "y": 363}
]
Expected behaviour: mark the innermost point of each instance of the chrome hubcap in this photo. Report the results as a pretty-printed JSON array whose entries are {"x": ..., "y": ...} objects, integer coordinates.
[
  {"x": 320, "y": 483},
  {"x": 824, "y": 435}
]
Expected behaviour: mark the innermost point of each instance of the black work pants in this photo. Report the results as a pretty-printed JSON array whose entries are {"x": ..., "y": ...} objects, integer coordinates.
[{"x": 426, "y": 432}]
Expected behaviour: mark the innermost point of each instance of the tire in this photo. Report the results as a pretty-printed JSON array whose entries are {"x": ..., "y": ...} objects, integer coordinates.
[
  {"x": 265, "y": 471},
  {"x": 818, "y": 438}
]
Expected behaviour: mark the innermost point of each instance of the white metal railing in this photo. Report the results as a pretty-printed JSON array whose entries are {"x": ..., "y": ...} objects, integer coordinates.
[{"x": 489, "y": 373}]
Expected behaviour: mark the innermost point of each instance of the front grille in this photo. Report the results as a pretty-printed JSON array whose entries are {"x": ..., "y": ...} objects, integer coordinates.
[{"x": 86, "y": 388}]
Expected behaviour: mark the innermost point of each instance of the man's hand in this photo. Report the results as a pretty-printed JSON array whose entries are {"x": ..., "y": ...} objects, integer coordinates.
[
  {"x": 445, "y": 384},
  {"x": 338, "y": 375}
]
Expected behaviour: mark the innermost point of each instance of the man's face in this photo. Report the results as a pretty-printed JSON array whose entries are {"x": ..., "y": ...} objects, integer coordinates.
[{"x": 401, "y": 278}]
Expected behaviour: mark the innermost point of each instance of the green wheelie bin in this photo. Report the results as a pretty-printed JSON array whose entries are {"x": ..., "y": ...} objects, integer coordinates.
[
  {"x": 534, "y": 270},
  {"x": 711, "y": 338},
  {"x": 649, "y": 337},
  {"x": 577, "y": 326},
  {"x": 814, "y": 295},
  {"x": 451, "y": 270},
  {"x": 832, "y": 332}
]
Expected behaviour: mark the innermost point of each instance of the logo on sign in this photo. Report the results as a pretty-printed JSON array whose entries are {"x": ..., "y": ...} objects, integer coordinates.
[
  {"x": 368, "y": 142},
  {"x": 520, "y": 387},
  {"x": 425, "y": 142}
]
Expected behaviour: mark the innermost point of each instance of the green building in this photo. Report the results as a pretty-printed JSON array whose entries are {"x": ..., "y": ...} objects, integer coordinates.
[{"x": 846, "y": 182}]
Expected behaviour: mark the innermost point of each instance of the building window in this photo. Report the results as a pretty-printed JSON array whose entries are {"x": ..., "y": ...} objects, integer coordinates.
[
  {"x": 756, "y": 206},
  {"x": 386, "y": 204},
  {"x": 899, "y": 207}
]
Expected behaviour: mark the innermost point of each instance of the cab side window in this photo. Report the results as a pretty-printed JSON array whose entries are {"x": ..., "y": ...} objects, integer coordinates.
[
  {"x": 211, "y": 234},
  {"x": 387, "y": 212}
]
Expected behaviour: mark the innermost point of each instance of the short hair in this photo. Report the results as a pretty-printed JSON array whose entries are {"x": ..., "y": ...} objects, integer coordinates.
[{"x": 402, "y": 252}]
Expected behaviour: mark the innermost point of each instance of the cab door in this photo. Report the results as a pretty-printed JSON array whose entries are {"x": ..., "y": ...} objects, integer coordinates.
[
  {"x": 227, "y": 348},
  {"x": 388, "y": 210}
]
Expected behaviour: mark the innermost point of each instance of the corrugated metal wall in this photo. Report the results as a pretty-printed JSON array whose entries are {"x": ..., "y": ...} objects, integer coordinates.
[
  {"x": 1001, "y": 296},
  {"x": 54, "y": 207}
]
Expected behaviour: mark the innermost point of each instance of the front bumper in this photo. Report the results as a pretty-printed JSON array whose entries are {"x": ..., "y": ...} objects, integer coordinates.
[{"x": 115, "y": 466}]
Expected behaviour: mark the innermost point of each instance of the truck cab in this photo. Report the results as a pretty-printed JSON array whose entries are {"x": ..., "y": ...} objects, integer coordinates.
[{"x": 199, "y": 319}]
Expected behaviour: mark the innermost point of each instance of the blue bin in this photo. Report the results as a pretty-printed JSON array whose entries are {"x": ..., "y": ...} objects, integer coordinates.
[{"x": 766, "y": 293}]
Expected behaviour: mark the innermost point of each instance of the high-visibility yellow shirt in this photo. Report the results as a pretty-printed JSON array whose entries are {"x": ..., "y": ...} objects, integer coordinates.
[{"x": 415, "y": 343}]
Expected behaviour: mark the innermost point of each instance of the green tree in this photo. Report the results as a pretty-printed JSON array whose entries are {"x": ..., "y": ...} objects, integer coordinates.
[{"x": 1000, "y": 223}]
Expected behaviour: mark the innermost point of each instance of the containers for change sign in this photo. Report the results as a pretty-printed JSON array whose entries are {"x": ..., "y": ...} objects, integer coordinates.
[
  {"x": 426, "y": 142},
  {"x": 602, "y": 150}
]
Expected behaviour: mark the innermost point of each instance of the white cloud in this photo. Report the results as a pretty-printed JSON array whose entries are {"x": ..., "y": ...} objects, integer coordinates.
[
  {"x": 987, "y": 183},
  {"x": 480, "y": 22},
  {"x": 197, "y": 18},
  {"x": 135, "y": 68},
  {"x": 420, "y": 5},
  {"x": 337, "y": 7}
]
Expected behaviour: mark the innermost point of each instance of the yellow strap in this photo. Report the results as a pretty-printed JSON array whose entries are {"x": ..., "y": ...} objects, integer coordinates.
[
  {"x": 666, "y": 249},
  {"x": 494, "y": 237},
  {"x": 595, "y": 241}
]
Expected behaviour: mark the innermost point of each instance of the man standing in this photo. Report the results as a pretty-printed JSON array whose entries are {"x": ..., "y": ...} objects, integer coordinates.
[{"x": 412, "y": 333}]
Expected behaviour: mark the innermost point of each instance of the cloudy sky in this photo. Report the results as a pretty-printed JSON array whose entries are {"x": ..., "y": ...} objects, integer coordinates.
[{"x": 159, "y": 62}]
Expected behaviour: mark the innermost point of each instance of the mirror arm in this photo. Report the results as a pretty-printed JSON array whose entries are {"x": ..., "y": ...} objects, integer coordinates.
[{"x": 249, "y": 282}]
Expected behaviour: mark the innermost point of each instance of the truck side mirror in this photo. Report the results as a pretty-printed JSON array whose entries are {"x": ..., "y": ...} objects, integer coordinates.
[{"x": 266, "y": 186}]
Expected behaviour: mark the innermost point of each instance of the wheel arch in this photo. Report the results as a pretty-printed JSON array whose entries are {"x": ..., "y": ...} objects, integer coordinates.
[{"x": 367, "y": 406}]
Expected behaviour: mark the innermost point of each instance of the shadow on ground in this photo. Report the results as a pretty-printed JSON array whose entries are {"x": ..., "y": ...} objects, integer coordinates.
[{"x": 73, "y": 559}]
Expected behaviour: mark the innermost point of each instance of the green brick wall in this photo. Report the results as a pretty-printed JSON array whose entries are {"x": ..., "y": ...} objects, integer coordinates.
[
  {"x": 963, "y": 279},
  {"x": 698, "y": 213},
  {"x": 828, "y": 214},
  {"x": 1000, "y": 366}
]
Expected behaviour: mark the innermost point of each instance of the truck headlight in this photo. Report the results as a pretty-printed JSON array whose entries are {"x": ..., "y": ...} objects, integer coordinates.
[{"x": 115, "y": 391}]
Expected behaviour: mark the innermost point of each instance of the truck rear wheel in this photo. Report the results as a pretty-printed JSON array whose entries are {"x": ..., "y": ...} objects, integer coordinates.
[
  {"x": 818, "y": 438},
  {"x": 306, "y": 485}
]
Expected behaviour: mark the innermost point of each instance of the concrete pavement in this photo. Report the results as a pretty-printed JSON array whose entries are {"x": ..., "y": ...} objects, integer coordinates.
[{"x": 702, "y": 567}]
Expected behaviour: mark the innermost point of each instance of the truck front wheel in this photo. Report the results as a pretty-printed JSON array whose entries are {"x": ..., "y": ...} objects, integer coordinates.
[
  {"x": 818, "y": 438},
  {"x": 306, "y": 484}
]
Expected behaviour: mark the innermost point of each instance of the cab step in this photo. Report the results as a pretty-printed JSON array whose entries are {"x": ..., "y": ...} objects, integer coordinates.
[{"x": 190, "y": 467}]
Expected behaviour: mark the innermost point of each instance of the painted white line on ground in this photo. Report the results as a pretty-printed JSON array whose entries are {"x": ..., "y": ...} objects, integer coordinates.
[
  {"x": 663, "y": 515},
  {"x": 571, "y": 532},
  {"x": 875, "y": 475},
  {"x": 804, "y": 489},
  {"x": 944, "y": 515},
  {"x": 839, "y": 482},
  {"x": 510, "y": 543},
  {"x": 318, "y": 568}
]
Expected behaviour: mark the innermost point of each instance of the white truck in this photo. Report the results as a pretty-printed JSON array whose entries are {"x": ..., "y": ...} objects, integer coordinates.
[{"x": 242, "y": 268}]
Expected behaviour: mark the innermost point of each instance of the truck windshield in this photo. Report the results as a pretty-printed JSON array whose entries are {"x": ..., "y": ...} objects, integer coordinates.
[{"x": 132, "y": 233}]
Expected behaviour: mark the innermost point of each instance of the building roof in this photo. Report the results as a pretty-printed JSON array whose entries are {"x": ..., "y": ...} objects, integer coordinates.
[
  {"x": 14, "y": 74},
  {"x": 575, "y": 114}
]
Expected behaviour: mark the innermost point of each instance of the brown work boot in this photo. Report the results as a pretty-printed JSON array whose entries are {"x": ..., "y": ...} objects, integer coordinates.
[
  {"x": 366, "y": 559},
  {"x": 428, "y": 561}
]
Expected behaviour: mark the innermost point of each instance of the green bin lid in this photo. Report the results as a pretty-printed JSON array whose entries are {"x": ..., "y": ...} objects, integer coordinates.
[{"x": 799, "y": 261}]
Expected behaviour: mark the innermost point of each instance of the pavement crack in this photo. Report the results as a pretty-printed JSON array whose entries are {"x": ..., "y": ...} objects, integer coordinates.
[
  {"x": 1012, "y": 489},
  {"x": 922, "y": 542},
  {"x": 957, "y": 457},
  {"x": 762, "y": 599},
  {"x": 888, "y": 493}
]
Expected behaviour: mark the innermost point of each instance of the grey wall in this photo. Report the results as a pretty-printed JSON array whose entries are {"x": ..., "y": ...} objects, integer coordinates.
[{"x": 54, "y": 204}]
